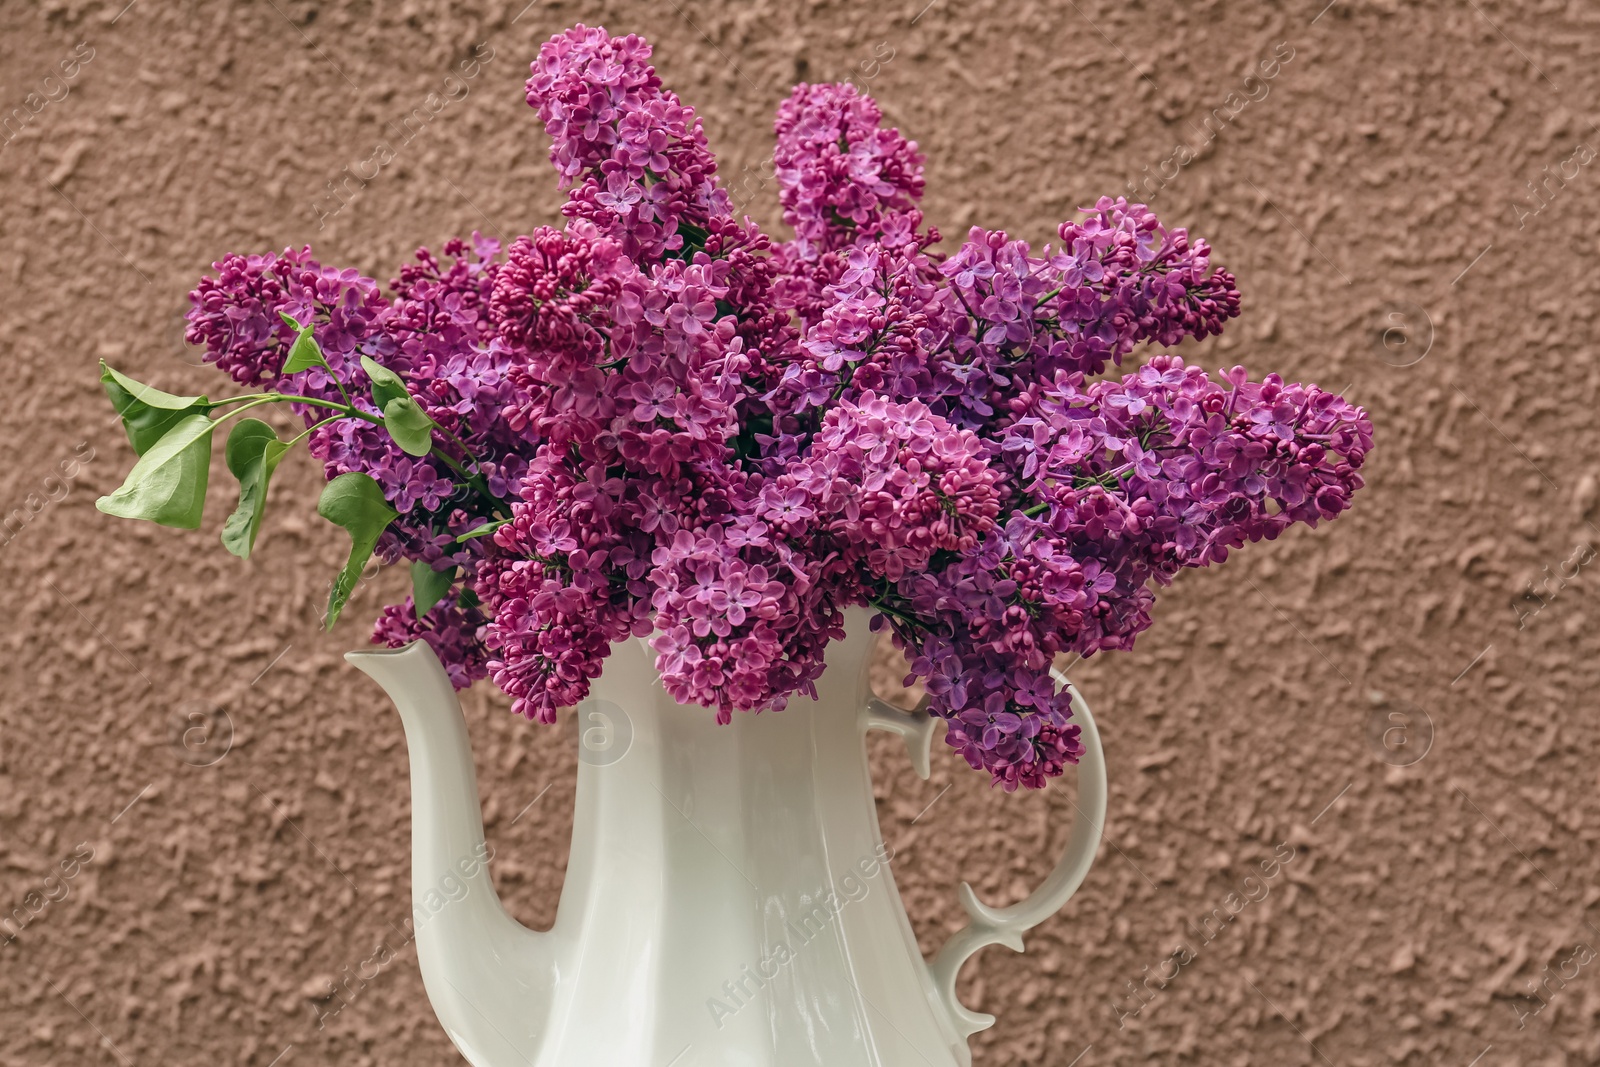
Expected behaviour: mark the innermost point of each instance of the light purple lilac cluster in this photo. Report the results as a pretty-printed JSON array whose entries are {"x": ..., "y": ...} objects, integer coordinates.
[{"x": 659, "y": 421}]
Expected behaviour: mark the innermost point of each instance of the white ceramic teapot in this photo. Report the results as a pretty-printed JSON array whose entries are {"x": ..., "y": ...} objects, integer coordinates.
[{"x": 729, "y": 898}]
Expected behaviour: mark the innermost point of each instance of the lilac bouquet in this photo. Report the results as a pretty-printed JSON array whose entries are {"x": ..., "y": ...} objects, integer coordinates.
[{"x": 659, "y": 420}]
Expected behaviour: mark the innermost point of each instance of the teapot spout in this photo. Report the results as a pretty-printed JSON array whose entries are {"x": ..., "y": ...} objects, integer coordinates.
[{"x": 490, "y": 979}]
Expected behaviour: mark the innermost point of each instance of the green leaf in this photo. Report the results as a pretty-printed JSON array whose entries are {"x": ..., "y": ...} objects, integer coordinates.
[
  {"x": 355, "y": 502},
  {"x": 147, "y": 394},
  {"x": 405, "y": 420},
  {"x": 429, "y": 586},
  {"x": 409, "y": 425},
  {"x": 305, "y": 354},
  {"x": 168, "y": 484},
  {"x": 468, "y": 598},
  {"x": 482, "y": 531},
  {"x": 252, "y": 452},
  {"x": 386, "y": 384},
  {"x": 147, "y": 413}
]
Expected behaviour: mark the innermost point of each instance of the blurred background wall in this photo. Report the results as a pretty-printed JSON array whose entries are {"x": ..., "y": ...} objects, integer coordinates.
[{"x": 213, "y": 808}]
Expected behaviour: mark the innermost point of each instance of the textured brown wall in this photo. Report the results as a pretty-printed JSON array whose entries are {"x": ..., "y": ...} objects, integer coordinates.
[{"x": 1378, "y": 176}]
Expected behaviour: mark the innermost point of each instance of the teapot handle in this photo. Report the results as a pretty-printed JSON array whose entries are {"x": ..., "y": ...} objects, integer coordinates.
[{"x": 1004, "y": 926}]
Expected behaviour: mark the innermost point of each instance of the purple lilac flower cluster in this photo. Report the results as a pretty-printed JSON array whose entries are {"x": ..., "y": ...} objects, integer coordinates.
[
  {"x": 636, "y": 156},
  {"x": 659, "y": 421},
  {"x": 843, "y": 177}
]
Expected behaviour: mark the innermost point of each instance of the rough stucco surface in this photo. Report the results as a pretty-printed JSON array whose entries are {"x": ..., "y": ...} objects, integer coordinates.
[{"x": 1373, "y": 186}]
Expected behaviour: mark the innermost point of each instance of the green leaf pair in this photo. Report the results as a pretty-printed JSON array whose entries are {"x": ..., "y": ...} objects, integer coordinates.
[
  {"x": 168, "y": 483},
  {"x": 173, "y": 437},
  {"x": 403, "y": 417},
  {"x": 252, "y": 454}
]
